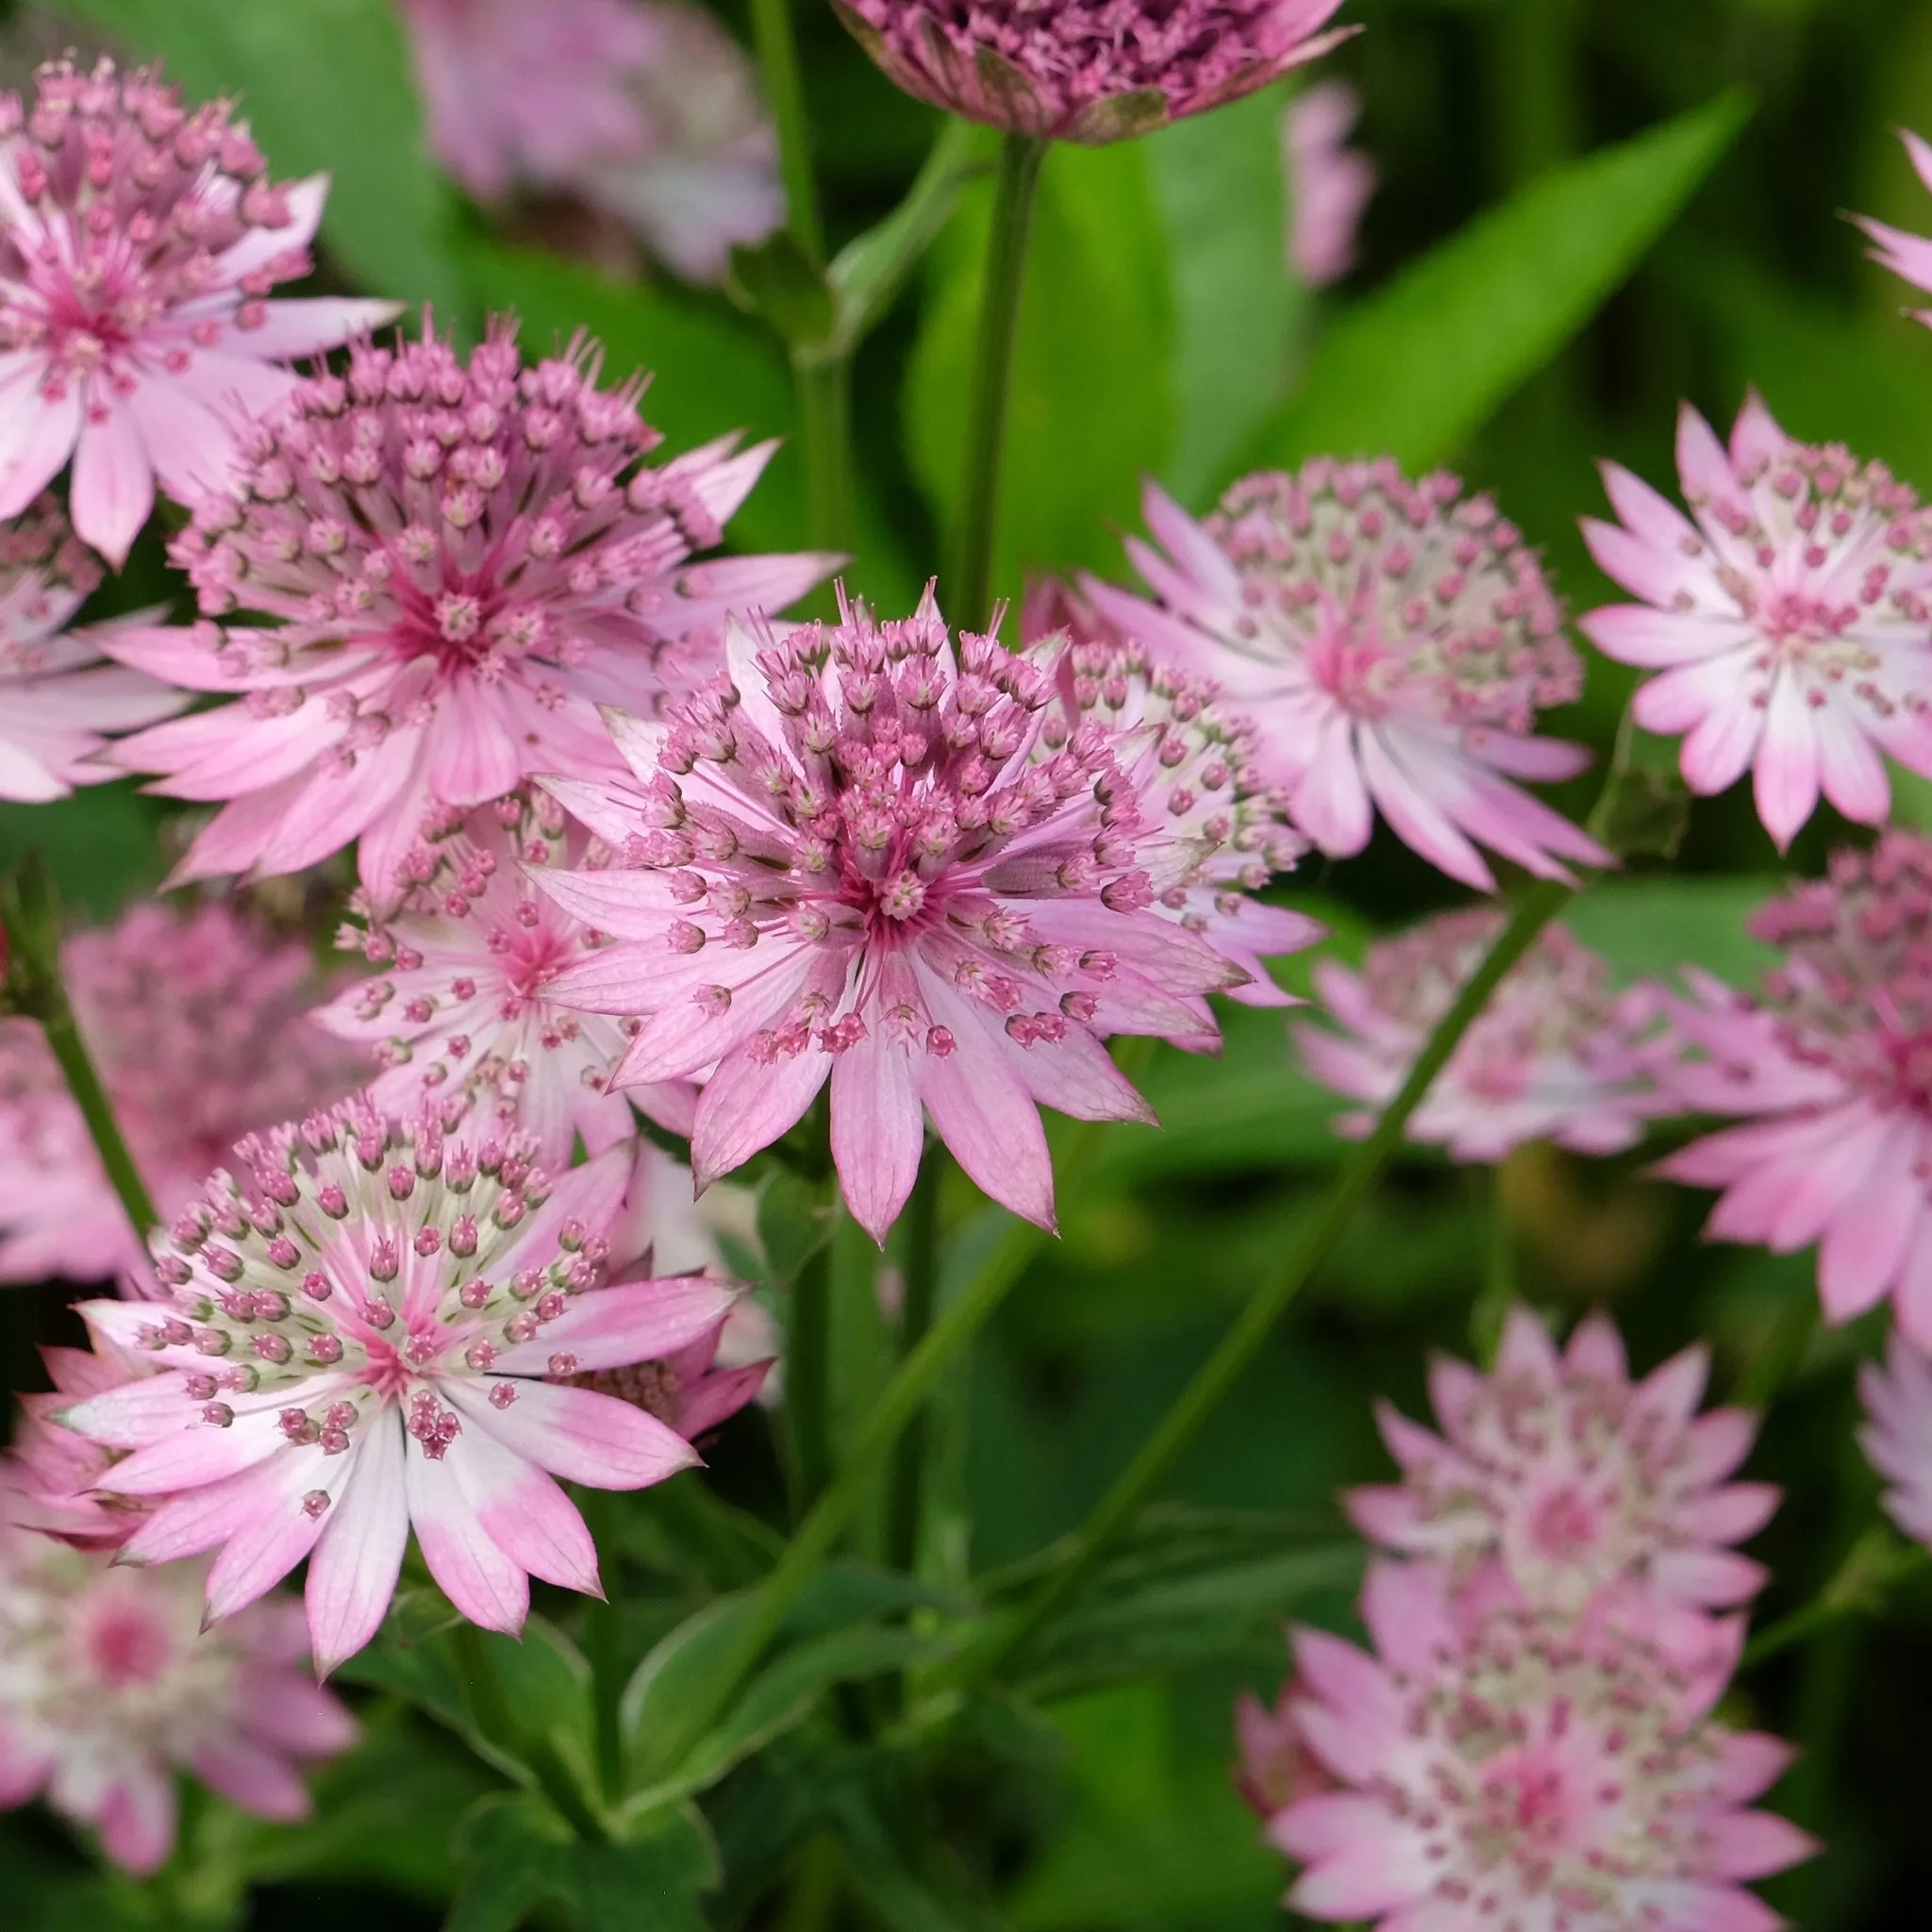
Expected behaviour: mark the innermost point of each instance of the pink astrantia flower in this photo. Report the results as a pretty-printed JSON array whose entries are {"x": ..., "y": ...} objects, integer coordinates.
[
  {"x": 49, "y": 1477},
  {"x": 1905, "y": 255},
  {"x": 1392, "y": 643},
  {"x": 138, "y": 240},
  {"x": 1562, "y": 1477},
  {"x": 1897, "y": 1436},
  {"x": 1275, "y": 1766},
  {"x": 1790, "y": 624},
  {"x": 1083, "y": 69},
  {"x": 110, "y": 1687},
  {"x": 57, "y": 696},
  {"x": 1831, "y": 1064},
  {"x": 1509, "y": 1767},
  {"x": 1555, "y": 1055},
  {"x": 461, "y": 562},
  {"x": 1329, "y": 183},
  {"x": 854, "y": 867},
  {"x": 461, "y": 1016},
  {"x": 378, "y": 1335},
  {"x": 195, "y": 1019}
]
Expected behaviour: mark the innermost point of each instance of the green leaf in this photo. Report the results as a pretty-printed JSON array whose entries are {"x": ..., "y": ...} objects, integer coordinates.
[
  {"x": 100, "y": 846},
  {"x": 1648, "y": 928},
  {"x": 794, "y": 1222},
  {"x": 778, "y": 280},
  {"x": 673, "y": 1680},
  {"x": 326, "y": 86},
  {"x": 1416, "y": 368}
]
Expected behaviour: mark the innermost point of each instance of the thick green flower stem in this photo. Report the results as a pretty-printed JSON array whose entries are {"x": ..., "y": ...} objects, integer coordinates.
[
  {"x": 777, "y": 51},
  {"x": 920, "y": 1263},
  {"x": 823, "y": 382},
  {"x": 1015, "y": 189},
  {"x": 808, "y": 1379}
]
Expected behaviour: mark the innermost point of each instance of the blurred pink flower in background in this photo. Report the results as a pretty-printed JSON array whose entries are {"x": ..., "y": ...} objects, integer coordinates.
[
  {"x": 197, "y": 1022},
  {"x": 1905, "y": 255},
  {"x": 1275, "y": 1766},
  {"x": 461, "y": 563},
  {"x": 1897, "y": 1435},
  {"x": 138, "y": 241},
  {"x": 49, "y": 1475},
  {"x": 1555, "y": 1055},
  {"x": 1329, "y": 183},
  {"x": 58, "y": 698},
  {"x": 1790, "y": 624},
  {"x": 1392, "y": 643}
]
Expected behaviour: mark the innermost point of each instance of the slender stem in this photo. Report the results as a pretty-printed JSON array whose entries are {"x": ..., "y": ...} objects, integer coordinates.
[
  {"x": 808, "y": 1379},
  {"x": 1014, "y": 192},
  {"x": 907, "y": 1489},
  {"x": 1872, "y": 1566},
  {"x": 63, "y": 1036},
  {"x": 825, "y": 435},
  {"x": 777, "y": 50}
]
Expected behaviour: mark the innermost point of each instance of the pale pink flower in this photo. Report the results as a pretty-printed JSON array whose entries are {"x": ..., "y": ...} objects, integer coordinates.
[
  {"x": 1905, "y": 255},
  {"x": 1509, "y": 1767},
  {"x": 1831, "y": 1064},
  {"x": 195, "y": 1019},
  {"x": 1329, "y": 183},
  {"x": 853, "y": 866},
  {"x": 1087, "y": 70},
  {"x": 138, "y": 241},
  {"x": 462, "y": 1017},
  {"x": 108, "y": 1686},
  {"x": 1562, "y": 1478},
  {"x": 47, "y": 1481},
  {"x": 1275, "y": 1766},
  {"x": 1897, "y": 1436},
  {"x": 58, "y": 698},
  {"x": 1555, "y": 1055},
  {"x": 1392, "y": 643},
  {"x": 1790, "y": 623},
  {"x": 372, "y": 1289},
  {"x": 460, "y": 563}
]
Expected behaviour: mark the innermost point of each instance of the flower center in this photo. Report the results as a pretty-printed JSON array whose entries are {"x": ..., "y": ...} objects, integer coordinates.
[{"x": 126, "y": 1647}]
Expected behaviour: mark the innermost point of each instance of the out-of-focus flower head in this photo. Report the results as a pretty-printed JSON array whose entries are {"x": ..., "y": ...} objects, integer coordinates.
[
  {"x": 49, "y": 1477},
  {"x": 462, "y": 1017},
  {"x": 1513, "y": 1767},
  {"x": 1329, "y": 183},
  {"x": 108, "y": 1687},
  {"x": 138, "y": 241},
  {"x": 196, "y": 1020},
  {"x": 1897, "y": 1436},
  {"x": 1275, "y": 1766},
  {"x": 1089, "y": 71},
  {"x": 1562, "y": 1477},
  {"x": 1905, "y": 255},
  {"x": 1393, "y": 642},
  {"x": 1555, "y": 1055},
  {"x": 56, "y": 697},
  {"x": 1831, "y": 1064},
  {"x": 852, "y": 867},
  {"x": 1790, "y": 624},
  {"x": 377, "y": 1333},
  {"x": 459, "y": 561}
]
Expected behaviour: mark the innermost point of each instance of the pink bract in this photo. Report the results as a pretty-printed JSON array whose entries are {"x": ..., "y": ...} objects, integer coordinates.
[
  {"x": 138, "y": 240},
  {"x": 1329, "y": 183},
  {"x": 1905, "y": 255},
  {"x": 1392, "y": 643},
  {"x": 1555, "y": 1055},
  {"x": 1562, "y": 1478},
  {"x": 460, "y": 562},
  {"x": 1897, "y": 1436},
  {"x": 1087, "y": 70},
  {"x": 1790, "y": 624}
]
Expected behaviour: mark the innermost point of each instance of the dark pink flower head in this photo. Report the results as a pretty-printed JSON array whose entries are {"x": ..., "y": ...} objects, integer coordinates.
[
  {"x": 855, "y": 865},
  {"x": 1832, "y": 1064},
  {"x": 1897, "y": 1436},
  {"x": 1905, "y": 255},
  {"x": 461, "y": 1015},
  {"x": 1392, "y": 643},
  {"x": 458, "y": 562},
  {"x": 1508, "y": 1766},
  {"x": 1087, "y": 70},
  {"x": 112, "y": 1686},
  {"x": 56, "y": 697},
  {"x": 1564, "y": 1477},
  {"x": 138, "y": 241},
  {"x": 1555, "y": 1055},
  {"x": 1790, "y": 624},
  {"x": 196, "y": 1020},
  {"x": 1329, "y": 183},
  {"x": 370, "y": 1335}
]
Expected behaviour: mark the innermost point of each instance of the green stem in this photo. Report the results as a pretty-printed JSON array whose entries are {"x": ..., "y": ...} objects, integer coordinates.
[
  {"x": 1014, "y": 192},
  {"x": 922, "y": 1268},
  {"x": 777, "y": 51},
  {"x": 825, "y": 435},
  {"x": 808, "y": 1379},
  {"x": 1875, "y": 1563}
]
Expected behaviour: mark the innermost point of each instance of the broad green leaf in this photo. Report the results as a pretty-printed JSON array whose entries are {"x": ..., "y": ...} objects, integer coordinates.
[
  {"x": 326, "y": 86},
  {"x": 674, "y": 1680},
  {"x": 796, "y": 1221},
  {"x": 1648, "y": 928},
  {"x": 1414, "y": 369},
  {"x": 100, "y": 846}
]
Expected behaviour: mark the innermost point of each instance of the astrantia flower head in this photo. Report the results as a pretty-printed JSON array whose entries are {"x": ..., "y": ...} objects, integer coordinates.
[
  {"x": 49, "y": 1475},
  {"x": 461, "y": 561},
  {"x": 461, "y": 1016},
  {"x": 1562, "y": 1477},
  {"x": 196, "y": 1020},
  {"x": 138, "y": 240},
  {"x": 1087, "y": 70},
  {"x": 852, "y": 865},
  {"x": 1555, "y": 1055},
  {"x": 1790, "y": 624},
  {"x": 1833, "y": 1062},
  {"x": 1897, "y": 1436},
  {"x": 1275, "y": 1766},
  {"x": 108, "y": 1686},
  {"x": 57, "y": 696},
  {"x": 1393, "y": 642},
  {"x": 1511, "y": 1768},
  {"x": 1329, "y": 183},
  {"x": 377, "y": 1331},
  {"x": 1905, "y": 254}
]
